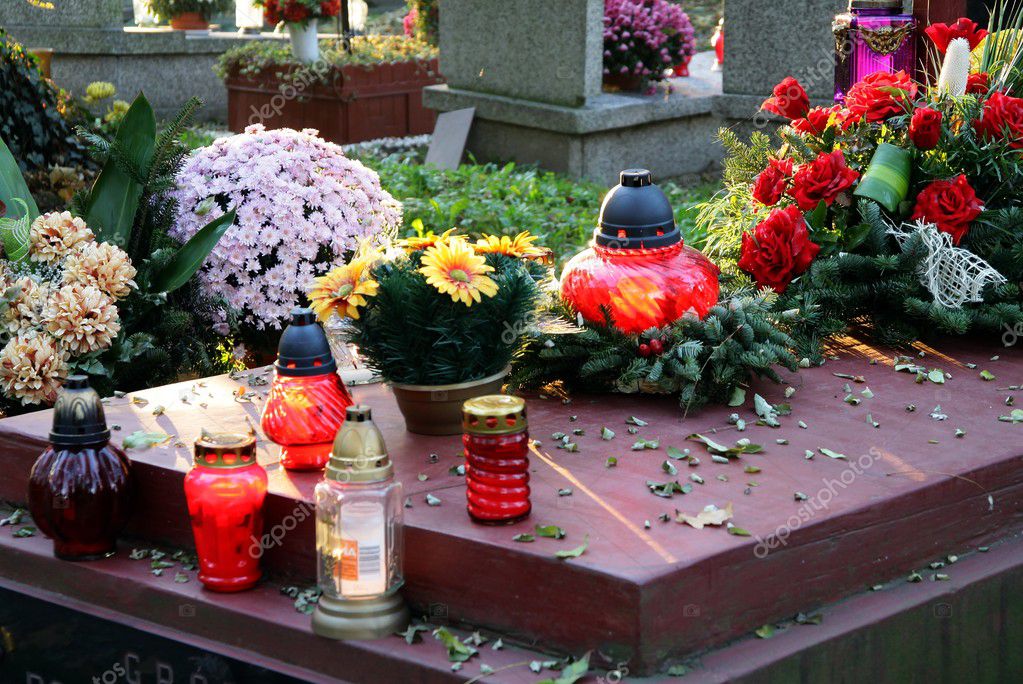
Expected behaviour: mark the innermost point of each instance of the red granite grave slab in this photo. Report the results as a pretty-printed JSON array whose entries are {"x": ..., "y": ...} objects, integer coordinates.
[{"x": 908, "y": 490}]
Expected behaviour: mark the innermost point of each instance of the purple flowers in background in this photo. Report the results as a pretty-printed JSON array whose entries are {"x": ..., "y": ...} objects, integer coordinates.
[
  {"x": 302, "y": 207},
  {"x": 645, "y": 37}
]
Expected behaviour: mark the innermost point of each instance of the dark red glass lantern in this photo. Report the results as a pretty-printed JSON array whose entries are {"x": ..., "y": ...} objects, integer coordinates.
[
  {"x": 225, "y": 490},
  {"x": 307, "y": 400},
  {"x": 638, "y": 267},
  {"x": 496, "y": 442},
  {"x": 80, "y": 487}
]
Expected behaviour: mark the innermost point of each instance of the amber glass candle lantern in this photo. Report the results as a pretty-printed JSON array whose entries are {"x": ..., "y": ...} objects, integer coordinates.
[
  {"x": 307, "y": 400},
  {"x": 638, "y": 267},
  {"x": 79, "y": 488},
  {"x": 496, "y": 442},
  {"x": 359, "y": 536},
  {"x": 225, "y": 490}
]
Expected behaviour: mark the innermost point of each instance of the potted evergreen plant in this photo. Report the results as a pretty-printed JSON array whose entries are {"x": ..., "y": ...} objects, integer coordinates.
[
  {"x": 439, "y": 317},
  {"x": 188, "y": 15}
]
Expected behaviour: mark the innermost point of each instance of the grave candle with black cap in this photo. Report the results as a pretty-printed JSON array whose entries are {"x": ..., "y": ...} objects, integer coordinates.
[{"x": 637, "y": 268}]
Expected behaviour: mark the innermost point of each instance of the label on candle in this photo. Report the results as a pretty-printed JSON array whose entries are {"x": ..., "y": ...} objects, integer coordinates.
[{"x": 362, "y": 571}]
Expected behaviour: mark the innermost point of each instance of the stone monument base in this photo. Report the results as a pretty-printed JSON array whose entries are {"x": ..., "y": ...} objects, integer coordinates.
[{"x": 669, "y": 133}]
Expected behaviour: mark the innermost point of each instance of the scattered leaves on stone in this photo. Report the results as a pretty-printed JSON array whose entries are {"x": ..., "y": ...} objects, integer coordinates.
[{"x": 743, "y": 446}]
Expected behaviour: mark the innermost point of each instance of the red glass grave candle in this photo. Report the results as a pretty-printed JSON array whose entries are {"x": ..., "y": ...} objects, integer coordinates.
[
  {"x": 638, "y": 268},
  {"x": 225, "y": 490},
  {"x": 79, "y": 489},
  {"x": 496, "y": 441},
  {"x": 307, "y": 400}
]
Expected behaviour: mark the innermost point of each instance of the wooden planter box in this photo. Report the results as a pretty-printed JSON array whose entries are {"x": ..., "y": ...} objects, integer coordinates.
[{"x": 353, "y": 104}]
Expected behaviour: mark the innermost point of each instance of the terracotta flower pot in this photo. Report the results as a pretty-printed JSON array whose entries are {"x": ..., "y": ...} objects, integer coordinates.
[
  {"x": 629, "y": 83},
  {"x": 189, "y": 21},
  {"x": 437, "y": 409}
]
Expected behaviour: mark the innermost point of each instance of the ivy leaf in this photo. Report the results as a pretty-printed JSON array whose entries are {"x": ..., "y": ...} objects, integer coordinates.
[
  {"x": 607, "y": 434},
  {"x": 937, "y": 376},
  {"x": 831, "y": 454},
  {"x": 743, "y": 446},
  {"x": 1016, "y": 416},
  {"x": 144, "y": 440},
  {"x": 571, "y": 673},
  {"x": 987, "y": 375},
  {"x": 765, "y": 632},
  {"x": 432, "y": 500},
  {"x": 27, "y": 531},
  {"x": 738, "y": 531},
  {"x": 669, "y": 468},
  {"x": 458, "y": 652},
  {"x": 576, "y": 552},
  {"x": 550, "y": 531},
  {"x": 523, "y": 538},
  {"x": 678, "y": 454},
  {"x": 738, "y": 397},
  {"x": 633, "y": 420}
]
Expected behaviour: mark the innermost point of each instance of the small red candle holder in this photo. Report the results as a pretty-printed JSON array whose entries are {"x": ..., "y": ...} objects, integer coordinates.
[
  {"x": 307, "y": 400},
  {"x": 496, "y": 442},
  {"x": 79, "y": 490},
  {"x": 225, "y": 490},
  {"x": 638, "y": 269}
]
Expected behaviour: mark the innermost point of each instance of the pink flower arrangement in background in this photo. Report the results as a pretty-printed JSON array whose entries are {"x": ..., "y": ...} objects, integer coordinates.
[
  {"x": 302, "y": 205},
  {"x": 645, "y": 37}
]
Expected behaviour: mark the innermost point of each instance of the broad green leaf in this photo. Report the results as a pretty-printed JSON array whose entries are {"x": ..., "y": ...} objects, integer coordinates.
[
  {"x": 114, "y": 198},
  {"x": 458, "y": 652},
  {"x": 738, "y": 397},
  {"x": 886, "y": 180},
  {"x": 16, "y": 233},
  {"x": 13, "y": 186},
  {"x": 192, "y": 254},
  {"x": 550, "y": 531}
]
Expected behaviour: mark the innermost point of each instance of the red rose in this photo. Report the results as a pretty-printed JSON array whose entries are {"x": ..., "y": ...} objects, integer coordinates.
[
  {"x": 778, "y": 250},
  {"x": 881, "y": 96},
  {"x": 789, "y": 100},
  {"x": 925, "y": 128},
  {"x": 822, "y": 180},
  {"x": 772, "y": 182},
  {"x": 950, "y": 205},
  {"x": 816, "y": 121},
  {"x": 1001, "y": 119},
  {"x": 330, "y": 8},
  {"x": 295, "y": 12},
  {"x": 978, "y": 83},
  {"x": 272, "y": 12},
  {"x": 943, "y": 34}
]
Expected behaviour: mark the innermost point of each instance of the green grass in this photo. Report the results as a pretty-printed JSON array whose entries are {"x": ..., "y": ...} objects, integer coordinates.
[{"x": 504, "y": 200}]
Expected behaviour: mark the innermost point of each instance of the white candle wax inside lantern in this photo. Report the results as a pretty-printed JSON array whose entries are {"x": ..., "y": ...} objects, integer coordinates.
[{"x": 362, "y": 567}]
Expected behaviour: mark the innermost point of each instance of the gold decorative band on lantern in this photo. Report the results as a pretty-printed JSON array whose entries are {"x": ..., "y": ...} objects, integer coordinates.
[
  {"x": 886, "y": 39},
  {"x": 494, "y": 414},
  {"x": 225, "y": 449}
]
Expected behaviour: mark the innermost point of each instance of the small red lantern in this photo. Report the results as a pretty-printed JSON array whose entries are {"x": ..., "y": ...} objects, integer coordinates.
[
  {"x": 638, "y": 268},
  {"x": 225, "y": 490},
  {"x": 718, "y": 41},
  {"x": 496, "y": 441},
  {"x": 307, "y": 400},
  {"x": 79, "y": 489}
]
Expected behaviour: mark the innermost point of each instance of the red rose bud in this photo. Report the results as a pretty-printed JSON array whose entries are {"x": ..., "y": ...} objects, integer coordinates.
[
  {"x": 778, "y": 250},
  {"x": 822, "y": 180},
  {"x": 789, "y": 100},
  {"x": 978, "y": 83},
  {"x": 817, "y": 120},
  {"x": 770, "y": 185},
  {"x": 925, "y": 128},
  {"x": 1002, "y": 119},
  {"x": 644, "y": 350},
  {"x": 943, "y": 34},
  {"x": 951, "y": 205},
  {"x": 880, "y": 96}
]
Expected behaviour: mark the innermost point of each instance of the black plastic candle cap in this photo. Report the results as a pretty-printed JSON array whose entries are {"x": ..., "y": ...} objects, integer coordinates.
[
  {"x": 636, "y": 214},
  {"x": 78, "y": 417},
  {"x": 304, "y": 350}
]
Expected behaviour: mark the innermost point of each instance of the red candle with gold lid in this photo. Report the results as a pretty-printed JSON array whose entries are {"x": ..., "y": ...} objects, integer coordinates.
[
  {"x": 496, "y": 442},
  {"x": 225, "y": 490}
]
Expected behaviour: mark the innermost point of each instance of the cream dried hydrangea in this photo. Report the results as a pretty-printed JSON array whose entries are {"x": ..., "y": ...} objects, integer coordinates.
[
  {"x": 32, "y": 368},
  {"x": 26, "y": 308},
  {"x": 82, "y": 318},
  {"x": 103, "y": 266},
  {"x": 53, "y": 235}
]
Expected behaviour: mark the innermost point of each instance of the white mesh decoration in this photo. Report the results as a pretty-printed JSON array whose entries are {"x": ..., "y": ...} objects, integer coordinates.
[{"x": 953, "y": 275}]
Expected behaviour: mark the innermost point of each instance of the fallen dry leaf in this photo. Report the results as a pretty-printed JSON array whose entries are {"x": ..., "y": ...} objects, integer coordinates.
[{"x": 711, "y": 515}]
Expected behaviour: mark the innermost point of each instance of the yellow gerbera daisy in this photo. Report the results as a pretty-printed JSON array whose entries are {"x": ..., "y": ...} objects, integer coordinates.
[
  {"x": 519, "y": 246},
  {"x": 343, "y": 290},
  {"x": 414, "y": 244},
  {"x": 454, "y": 268}
]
